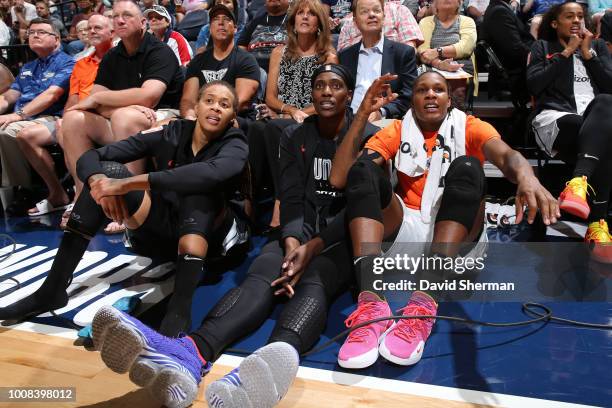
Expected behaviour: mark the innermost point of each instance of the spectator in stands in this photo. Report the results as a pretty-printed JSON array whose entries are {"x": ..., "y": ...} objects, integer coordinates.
[
  {"x": 510, "y": 39},
  {"x": 187, "y": 6},
  {"x": 375, "y": 55},
  {"x": 223, "y": 60},
  {"x": 538, "y": 8},
  {"x": 37, "y": 96},
  {"x": 42, "y": 10},
  {"x": 266, "y": 31},
  {"x": 86, "y": 10},
  {"x": 570, "y": 75},
  {"x": 450, "y": 38},
  {"x": 598, "y": 8},
  {"x": 337, "y": 11},
  {"x": 5, "y": 35},
  {"x": 398, "y": 25},
  {"x": 34, "y": 138},
  {"x": 606, "y": 30},
  {"x": 22, "y": 13},
  {"x": 289, "y": 87},
  {"x": 5, "y": 12},
  {"x": 204, "y": 34},
  {"x": 137, "y": 76},
  {"x": 83, "y": 34},
  {"x": 476, "y": 9},
  {"x": 159, "y": 22}
]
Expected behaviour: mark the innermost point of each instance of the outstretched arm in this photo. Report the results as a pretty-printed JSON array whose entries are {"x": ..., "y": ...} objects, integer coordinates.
[{"x": 529, "y": 190}]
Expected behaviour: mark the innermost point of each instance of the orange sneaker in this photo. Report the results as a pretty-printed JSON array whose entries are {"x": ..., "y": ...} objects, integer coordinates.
[
  {"x": 573, "y": 197},
  {"x": 600, "y": 241}
]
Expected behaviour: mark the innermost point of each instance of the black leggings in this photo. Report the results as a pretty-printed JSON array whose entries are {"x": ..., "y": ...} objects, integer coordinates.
[
  {"x": 164, "y": 225},
  {"x": 586, "y": 143},
  {"x": 244, "y": 309},
  {"x": 264, "y": 142}
]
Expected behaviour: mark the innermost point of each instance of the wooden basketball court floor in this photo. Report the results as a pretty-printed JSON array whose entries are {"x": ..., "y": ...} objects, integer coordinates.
[{"x": 39, "y": 360}]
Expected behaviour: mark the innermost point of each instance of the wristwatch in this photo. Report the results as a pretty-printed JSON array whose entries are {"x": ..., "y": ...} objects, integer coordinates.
[
  {"x": 439, "y": 49},
  {"x": 383, "y": 112},
  {"x": 21, "y": 113}
]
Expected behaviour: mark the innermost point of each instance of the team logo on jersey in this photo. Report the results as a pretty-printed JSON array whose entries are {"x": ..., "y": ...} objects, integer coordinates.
[{"x": 210, "y": 76}]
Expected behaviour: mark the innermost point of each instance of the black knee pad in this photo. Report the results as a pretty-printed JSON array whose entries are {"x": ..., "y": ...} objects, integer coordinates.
[
  {"x": 368, "y": 191},
  {"x": 226, "y": 303},
  {"x": 303, "y": 319},
  {"x": 115, "y": 170},
  {"x": 464, "y": 189}
]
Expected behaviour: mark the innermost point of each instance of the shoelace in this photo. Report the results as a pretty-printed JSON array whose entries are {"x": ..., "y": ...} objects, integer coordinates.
[
  {"x": 579, "y": 186},
  {"x": 406, "y": 329},
  {"x": 365, "y": 311},
  {"x": 598, "y": 233}
]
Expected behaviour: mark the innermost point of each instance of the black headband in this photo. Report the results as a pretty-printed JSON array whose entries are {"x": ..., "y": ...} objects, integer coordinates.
[{"x": 340, "y": 70}]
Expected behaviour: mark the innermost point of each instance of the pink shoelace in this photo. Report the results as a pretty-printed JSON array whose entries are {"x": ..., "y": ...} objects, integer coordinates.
[
  {"x": 407, "y": 329},
  {"x": 365, "y": 311}
]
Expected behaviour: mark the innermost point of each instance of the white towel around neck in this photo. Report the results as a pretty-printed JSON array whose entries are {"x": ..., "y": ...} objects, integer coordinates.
[{"x": 412, "y": 157}]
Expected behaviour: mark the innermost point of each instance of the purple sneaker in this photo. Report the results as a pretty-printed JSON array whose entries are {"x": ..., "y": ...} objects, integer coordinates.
[{"x": 171, "y": 369}]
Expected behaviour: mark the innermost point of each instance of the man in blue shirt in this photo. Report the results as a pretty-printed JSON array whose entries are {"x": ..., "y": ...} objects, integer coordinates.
[{"x": 37, "y": 95}]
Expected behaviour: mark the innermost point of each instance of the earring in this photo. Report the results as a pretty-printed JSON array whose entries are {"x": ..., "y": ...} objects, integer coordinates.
[{"x": 318, "y": 31}]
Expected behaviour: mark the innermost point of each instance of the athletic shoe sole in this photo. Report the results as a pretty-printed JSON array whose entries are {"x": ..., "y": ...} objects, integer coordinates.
[
  {"x": 387, "y": 355},
  {"x": 264, "y": 379},
  {"x": 123, "y": 348},
  {"x": 574, "y": 208}
]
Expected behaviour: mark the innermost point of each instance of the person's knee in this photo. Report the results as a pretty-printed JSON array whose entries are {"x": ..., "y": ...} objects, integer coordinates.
[
  {"x": 193, "y": 244},
  {"x": 74, "y": 120},
  {"x": 603, "y": 101},
  {"x": 266, "y": 267},
  {"x": 464, "y": 189},
  {"x": 303, "y": 319},
  {"x": 128, "y": 120},
  {"x": 368, "y": 190},
  {"x": 34, "y": 135}
]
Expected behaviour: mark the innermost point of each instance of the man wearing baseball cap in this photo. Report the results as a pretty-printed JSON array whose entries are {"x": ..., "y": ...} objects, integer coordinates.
[
  {"x": 224, "y": 60},
  {"x": 159, "y": 24}
]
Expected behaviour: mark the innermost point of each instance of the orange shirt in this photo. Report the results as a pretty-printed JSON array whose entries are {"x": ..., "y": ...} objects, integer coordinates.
[
  {"x": 83, "y": 76},
  {"x": 386, "y": 142}
]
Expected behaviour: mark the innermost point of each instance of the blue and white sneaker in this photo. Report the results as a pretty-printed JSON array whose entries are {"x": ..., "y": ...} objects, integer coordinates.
[
  {"x": 171, "y": 369},
  {"x": 261, "y": 380}
]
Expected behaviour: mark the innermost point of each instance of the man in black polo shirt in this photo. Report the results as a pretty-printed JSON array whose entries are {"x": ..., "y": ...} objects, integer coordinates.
[
  {"x": 266, "y": 31},
  {"x": 222, "y": 61},
  {"x": 137, "y": 77}
]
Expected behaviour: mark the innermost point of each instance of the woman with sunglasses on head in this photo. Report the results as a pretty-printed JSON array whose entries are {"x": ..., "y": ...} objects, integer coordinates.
[
  {"x": 178, "y": 211},
  {"x": 570, "y": 75},
  {"x": 310, "y": 263}
]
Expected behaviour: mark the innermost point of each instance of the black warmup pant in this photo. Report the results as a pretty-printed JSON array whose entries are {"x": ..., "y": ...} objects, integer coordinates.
[
  {"x": 244, "y": 309},
  {"x": 586, "y": 142},
  {"x": 264, "y": 143}
]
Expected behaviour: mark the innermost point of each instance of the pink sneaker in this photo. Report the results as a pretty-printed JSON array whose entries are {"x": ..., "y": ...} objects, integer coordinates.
[
  {"x": 360, "y": 349},
  {"x": 404, "y": 342}
]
